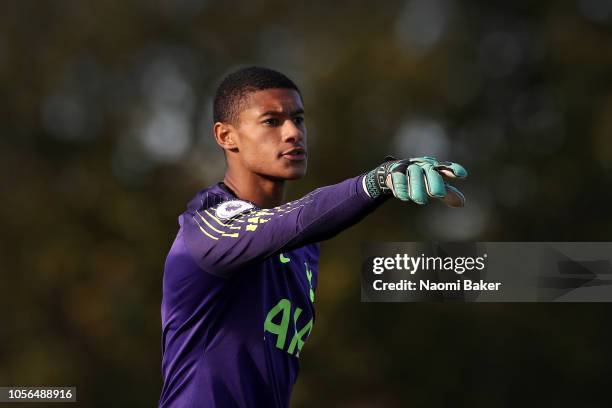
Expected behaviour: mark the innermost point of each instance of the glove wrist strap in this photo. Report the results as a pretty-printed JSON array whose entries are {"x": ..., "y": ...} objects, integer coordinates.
[
  {"x": 375, "y": 180},
  {"x": 371, "y": 184}
]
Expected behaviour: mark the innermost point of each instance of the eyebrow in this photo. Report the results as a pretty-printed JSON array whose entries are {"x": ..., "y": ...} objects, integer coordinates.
[{"x": 276, "y": 113}]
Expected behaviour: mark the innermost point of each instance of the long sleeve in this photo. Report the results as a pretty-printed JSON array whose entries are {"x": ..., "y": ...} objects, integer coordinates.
[{"x": 222, "y": 245}]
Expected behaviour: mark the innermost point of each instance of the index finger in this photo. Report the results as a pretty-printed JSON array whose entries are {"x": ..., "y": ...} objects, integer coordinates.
[{"x": 452, "y": 170}]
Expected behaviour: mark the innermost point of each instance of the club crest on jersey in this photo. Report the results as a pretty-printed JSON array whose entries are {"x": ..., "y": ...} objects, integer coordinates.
[{"x": 232, "y": 208}]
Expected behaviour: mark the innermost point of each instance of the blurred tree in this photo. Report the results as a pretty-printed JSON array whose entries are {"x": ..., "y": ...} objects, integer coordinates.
[{"x": 106, "y": 136}]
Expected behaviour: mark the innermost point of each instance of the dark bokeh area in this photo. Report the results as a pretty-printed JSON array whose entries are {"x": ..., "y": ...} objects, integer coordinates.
[{"x": 106, "y": 135}]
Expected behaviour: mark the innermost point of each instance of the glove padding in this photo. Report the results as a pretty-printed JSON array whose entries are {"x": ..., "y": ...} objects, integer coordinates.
[{"x": 416, "y": 180}]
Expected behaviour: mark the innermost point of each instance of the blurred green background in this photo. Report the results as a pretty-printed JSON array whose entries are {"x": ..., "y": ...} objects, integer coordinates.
[{"x": 106, "y": 134}]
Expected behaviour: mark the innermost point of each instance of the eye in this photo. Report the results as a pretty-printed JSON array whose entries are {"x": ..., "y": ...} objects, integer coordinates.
[
  {"x": 298, "y": 120},
  {"x": 272, "y": 122}
]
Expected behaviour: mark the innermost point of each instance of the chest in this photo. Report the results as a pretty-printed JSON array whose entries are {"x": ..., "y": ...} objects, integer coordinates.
[
  {"x": 292, "y": 273},
  {"x": 290, "y": 280}
]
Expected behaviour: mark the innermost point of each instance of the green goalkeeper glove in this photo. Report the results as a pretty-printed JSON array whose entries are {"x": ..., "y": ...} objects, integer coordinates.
[{"x": 416, "y": 179}]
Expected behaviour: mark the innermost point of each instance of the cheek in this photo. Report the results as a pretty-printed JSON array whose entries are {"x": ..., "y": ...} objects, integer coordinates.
[{"x": 259, "y": 152}]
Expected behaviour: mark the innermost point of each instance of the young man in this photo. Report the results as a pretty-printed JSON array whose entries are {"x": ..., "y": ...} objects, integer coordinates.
[{"x": 240, "y": 279}]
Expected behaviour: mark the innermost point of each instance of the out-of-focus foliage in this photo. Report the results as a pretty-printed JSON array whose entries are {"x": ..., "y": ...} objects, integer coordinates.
[{"x": 106, "y": 134}]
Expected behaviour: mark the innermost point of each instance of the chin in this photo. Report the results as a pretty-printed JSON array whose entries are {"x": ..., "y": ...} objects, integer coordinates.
[
  {"x": 294, "y": 173},
  {"x": 295, "y": 176},
  {"x": 284, "y": 175}
]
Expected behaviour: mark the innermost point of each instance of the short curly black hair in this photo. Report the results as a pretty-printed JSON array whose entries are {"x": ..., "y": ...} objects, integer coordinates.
[{"x": 236, "y": 85}]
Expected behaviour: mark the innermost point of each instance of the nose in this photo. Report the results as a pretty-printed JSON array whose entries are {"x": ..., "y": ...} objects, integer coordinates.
[{"x": 291, "y": 132}]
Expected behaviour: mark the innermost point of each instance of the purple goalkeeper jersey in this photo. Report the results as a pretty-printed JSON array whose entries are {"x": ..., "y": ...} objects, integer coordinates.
[{"x": 239, "y": 291}]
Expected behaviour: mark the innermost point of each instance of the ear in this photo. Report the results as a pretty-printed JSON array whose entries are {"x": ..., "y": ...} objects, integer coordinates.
[{"x": 225, "y": 135}]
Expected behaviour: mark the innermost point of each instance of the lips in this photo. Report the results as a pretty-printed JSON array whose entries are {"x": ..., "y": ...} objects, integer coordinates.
[{"x": 297, "y": 153}]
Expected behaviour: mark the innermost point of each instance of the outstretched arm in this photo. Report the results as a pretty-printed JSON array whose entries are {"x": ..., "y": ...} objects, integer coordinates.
[{"x": 222, "y": 245}]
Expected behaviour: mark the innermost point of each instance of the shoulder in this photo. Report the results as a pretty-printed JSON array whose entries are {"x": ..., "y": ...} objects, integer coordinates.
[
  {"x": 208, "y": 197},
  {"x": 220, "y": 200},
  {"x": 213, "y": 214}
]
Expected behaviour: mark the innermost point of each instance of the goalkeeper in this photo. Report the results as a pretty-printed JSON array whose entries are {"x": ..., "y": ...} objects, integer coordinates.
[{"x": 240, "y": 279}]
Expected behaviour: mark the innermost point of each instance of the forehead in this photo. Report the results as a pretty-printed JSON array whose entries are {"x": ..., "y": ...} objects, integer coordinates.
[{"x": 276, "y": 100}]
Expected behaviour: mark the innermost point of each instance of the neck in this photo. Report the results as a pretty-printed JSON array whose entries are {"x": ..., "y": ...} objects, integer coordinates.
[{"x": 265, "y": 193}]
